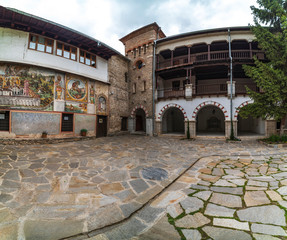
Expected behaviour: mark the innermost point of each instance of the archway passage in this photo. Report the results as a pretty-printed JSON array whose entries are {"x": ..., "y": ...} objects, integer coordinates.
[
  {"x": 140, "y": 120},
  {"x": 173, "y": 121},
  {"x": 250, "y": 126},
  {"x": 210, "y": 120}
]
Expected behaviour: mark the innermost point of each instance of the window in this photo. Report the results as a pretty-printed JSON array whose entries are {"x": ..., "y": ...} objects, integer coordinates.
[
  {"x": 144, "y": 48},
  {"x": 139, "y": 51},
  {"x": 87, "y": 58},
  {"x": 144, "y": 86},
  {"x": 175, "y": 85},
  {"x": 41, "y": 44},
  {"x": 139, "y": 64},
  {"x": 126, "y": 77},
  {"x": 134, "y": 88},
  {"x": 66, "y": 51},
  {"x": 135, "y": 53}
]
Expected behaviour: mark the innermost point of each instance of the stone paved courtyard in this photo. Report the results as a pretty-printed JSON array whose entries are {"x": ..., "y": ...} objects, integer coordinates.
[{"x": 208, "y": 189}]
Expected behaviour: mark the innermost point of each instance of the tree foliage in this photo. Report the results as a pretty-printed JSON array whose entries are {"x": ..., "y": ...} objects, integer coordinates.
[{"x": 270, "y": 76}]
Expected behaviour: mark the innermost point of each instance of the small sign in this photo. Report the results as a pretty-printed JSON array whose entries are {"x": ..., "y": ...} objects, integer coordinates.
[
  {"x": 2, "y": 116},
  {"x": 100, "y": 120},
  {"x": 66, "y": 118}
]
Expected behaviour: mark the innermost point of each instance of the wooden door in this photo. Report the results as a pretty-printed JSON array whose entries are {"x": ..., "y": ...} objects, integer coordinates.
[{"x": 102, "y": 127}]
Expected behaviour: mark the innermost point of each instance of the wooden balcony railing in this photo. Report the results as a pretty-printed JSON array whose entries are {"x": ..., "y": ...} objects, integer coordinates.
[
  {"x": 240, "y": 88},
  {"x": 211, "y": 56},
  {"x": 202, "y": 89},
  {"x": 170, "y": 93},
  {"x": 206, "y": 89}
]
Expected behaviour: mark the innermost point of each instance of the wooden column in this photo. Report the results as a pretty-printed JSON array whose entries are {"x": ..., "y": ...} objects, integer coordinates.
[
  {"x": 157, "y": 61},
  {"x": 171, "y": 58},
  {"x": 188, "y": 58},
  {"x": 250, "y": 50},
  {"x": 208, "y": 52}
]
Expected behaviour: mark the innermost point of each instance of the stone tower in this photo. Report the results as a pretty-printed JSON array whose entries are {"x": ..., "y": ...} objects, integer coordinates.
[{"x": 139, "y": 48}]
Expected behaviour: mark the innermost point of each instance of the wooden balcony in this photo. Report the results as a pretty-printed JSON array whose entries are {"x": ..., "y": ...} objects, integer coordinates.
[
  {"x": 207, "y": 89},
  {"x": 208, "y": 56},
  {"x": 170, "y": 93}
]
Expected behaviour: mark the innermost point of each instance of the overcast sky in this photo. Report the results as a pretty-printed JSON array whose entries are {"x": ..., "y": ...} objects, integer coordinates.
[{"x": 110, "y": 20}]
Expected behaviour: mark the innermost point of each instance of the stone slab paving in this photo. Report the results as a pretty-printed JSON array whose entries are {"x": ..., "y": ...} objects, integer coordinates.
[{"x": 79, "y": 189}]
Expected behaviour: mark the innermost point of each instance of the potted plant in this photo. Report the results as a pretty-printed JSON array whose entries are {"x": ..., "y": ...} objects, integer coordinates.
[
  {"x": 44, "y": 134},
  {"x": 84, "y": 132}
]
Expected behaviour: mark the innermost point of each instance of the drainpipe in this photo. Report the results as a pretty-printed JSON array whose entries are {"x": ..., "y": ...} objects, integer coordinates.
[
  {"x": 154, "y": 83},
  {"x": 231, "y": 87}
]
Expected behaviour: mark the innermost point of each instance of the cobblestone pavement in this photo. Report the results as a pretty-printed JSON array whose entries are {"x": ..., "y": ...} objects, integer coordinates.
[{"x": 54, "y": 191}]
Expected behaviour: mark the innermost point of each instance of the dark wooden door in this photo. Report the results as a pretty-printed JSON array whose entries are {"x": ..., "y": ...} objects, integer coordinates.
[
  {"x": 4, "y": 121},
  {"x": 102, "y": 127},
  {"x": 139, "y": 123}
]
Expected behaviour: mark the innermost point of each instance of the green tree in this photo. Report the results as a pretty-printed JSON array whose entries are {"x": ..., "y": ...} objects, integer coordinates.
[{"x": 270, "y": 76}]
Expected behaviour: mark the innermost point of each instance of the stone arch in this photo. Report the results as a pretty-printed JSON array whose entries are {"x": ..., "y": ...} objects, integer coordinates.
[
  {"x": 209, "y": 103},
  {"x": 166, "y": 107},
  {"x": 138, "y": 107},
  {"x": 239, "y": 107}
]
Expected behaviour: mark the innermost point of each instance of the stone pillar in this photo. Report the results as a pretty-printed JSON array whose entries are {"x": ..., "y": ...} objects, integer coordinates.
[
  {"x": 229, "y": 88},
  {"x": 131, "y": 125},
  {"x": 228, "y": 128},
  {"x": 158, "y": 129},
  {"x": 59, "y": 105},
  {"x": 149, "y": 130},
  {"x": 91, "y": 108},
  {"x": 188, "y": 91},
  {"x": 192, "y": 128},
  {"x": 270, "y": 127}
]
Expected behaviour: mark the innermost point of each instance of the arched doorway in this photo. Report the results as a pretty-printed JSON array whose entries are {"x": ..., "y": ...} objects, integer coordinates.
[
  {"x": 173, "y": 121},
  {"x": 250, "y": 126},
  {"x": 140, "y": 120},
  {"x": 210, "y": 120}
]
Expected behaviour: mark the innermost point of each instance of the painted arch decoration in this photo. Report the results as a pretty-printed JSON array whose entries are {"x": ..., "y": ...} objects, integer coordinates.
[
  {"x": 166, "y": 107},
  {"x": 209, "y": 103},
  {"x": 138, "y": 107},
  {"x": 239, "y": 107}
]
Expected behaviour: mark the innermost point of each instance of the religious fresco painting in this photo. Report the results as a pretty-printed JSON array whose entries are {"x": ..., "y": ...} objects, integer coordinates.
[
  {"x": 26, "y": 87},
  {"x": 102, "y": 105},
  {"x": 92, "y": 94},
  {"x": 76, "y": 89},
  {"x": 59, "y": 87},
  {"x": 76, "y": 107}
]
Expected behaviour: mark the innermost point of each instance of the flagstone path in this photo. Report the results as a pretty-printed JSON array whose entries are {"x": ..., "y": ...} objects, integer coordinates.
[{"x": 107, "y": 189}]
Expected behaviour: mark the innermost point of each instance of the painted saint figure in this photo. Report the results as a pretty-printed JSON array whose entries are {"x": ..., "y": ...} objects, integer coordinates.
[{"x": 92, "y": 95}]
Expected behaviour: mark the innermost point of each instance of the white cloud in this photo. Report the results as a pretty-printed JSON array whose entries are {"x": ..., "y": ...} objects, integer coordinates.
[{"x": 110, "y": 20}]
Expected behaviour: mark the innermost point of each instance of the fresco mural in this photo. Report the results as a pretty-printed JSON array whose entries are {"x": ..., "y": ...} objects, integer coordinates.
[
  {"x": 102, "y": 105},
  {"x": 92, "y": 94},
  {"x": 76, "y": 89},
  {"x": 59, "y": 87},
  {"x": 76, "y": 107},
  {"x": 26, "y": 87}
]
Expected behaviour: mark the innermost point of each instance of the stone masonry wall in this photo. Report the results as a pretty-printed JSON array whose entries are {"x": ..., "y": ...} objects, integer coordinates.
[
  {"x": 118, "y": 91},
  {"x": 140, "y": 96}
]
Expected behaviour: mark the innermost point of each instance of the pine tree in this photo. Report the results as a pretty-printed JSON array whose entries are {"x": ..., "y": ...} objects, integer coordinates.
[{"x": 270, "y": 76}]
